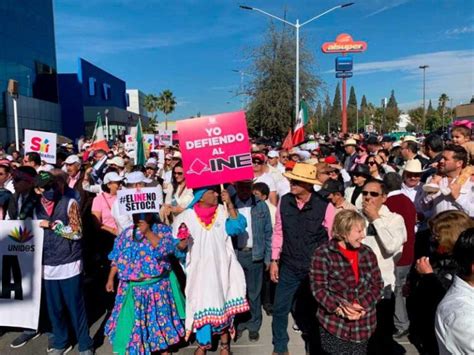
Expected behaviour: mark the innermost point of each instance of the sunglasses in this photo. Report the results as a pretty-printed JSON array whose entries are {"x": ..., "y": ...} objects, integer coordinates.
[
  {"x": 179, "y": 173},
  {"x": 284, "y": 156},
  {"x": 257, "y": 162},
  {"x": 168, "y": 159},
  {"x": 372, "y": 163},
  {"x": 371, "y": 193}
]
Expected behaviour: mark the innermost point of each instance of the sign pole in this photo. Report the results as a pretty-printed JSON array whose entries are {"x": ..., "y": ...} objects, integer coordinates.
[{"x": 344, "y": 107}]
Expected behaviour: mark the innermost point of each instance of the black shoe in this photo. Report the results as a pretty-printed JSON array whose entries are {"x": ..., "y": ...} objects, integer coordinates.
[
  {"x": 400, "y": 333},
  {"x": 254, "y": 336},
  {"x": 23, "y": 338},
  {"x": 238, "y": 334}
]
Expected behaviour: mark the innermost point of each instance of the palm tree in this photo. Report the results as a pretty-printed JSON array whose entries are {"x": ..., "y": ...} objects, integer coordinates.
[
  {"x": 167, "y": 104},
  {"x": 151, "y": 103}
]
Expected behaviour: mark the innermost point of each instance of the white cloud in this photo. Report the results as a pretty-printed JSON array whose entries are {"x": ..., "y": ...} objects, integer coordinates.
[
  {"x": 393, "y": 4},
  {"x": 459, "y": 30},
  {"x": 451, "y": 72}
]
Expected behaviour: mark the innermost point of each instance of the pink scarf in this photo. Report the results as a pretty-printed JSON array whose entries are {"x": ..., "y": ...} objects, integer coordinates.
[
  {"x": 48, "y": 206},
  {"x": 205, "y": 214}
]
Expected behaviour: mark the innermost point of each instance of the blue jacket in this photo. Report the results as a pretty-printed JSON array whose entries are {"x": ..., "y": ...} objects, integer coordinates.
[{"x": 261, "y": 229}]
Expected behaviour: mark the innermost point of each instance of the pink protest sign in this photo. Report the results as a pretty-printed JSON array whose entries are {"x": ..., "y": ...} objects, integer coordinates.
[{"x": 215, "y": 149}]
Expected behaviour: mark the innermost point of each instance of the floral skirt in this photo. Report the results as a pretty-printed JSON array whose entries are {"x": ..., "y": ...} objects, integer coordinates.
[{"x": 155, "y": 325}]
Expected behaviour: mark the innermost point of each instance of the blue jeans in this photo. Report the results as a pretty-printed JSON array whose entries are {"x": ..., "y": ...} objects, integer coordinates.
[
  {"x": 287, "y": 286},
  {"x": 62, "y": 295},
  {"x": 254, "y": 279}
]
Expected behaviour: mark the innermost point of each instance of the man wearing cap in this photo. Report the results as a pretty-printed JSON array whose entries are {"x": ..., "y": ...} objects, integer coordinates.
[
  {"x": 300, "y": 216},
  {"x": 350, "y": 146},
  {"x": 334, "y": 190},
  {"x": 118, "y": 164},
  {"x": 262, "y": 175},
  {"x": 412, "y": 187}
]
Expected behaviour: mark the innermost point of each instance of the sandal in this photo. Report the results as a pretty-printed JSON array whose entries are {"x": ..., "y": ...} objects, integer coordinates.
[
  {"x": 200, "y": 351},
  {"x": 225, "y": 349}
]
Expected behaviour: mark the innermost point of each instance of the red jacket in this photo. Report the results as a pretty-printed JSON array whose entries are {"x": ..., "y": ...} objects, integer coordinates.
[{"x": 401, "y": 204}]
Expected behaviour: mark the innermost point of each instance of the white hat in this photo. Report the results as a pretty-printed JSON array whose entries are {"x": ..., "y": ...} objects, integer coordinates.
[
  {"x": 413, "y": 166},
  {"x": 168, "y": 156},
  {"x": 116, "y": 161},
  {"x": 273, "y": 154},
  {"x": 112, "y": 177},
  {"x": 136, "y": 177},
  {"x": 410, "y": 139},
  {"x": 177, "y": 155},
  {"x": 350, "y": 141},
  {"x": 72, "y": 159}
]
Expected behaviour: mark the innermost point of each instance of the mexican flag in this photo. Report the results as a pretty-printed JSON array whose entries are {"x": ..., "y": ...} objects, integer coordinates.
[
  {"x": 98, "y": 138},
  {"x": 303, "y": 116}
]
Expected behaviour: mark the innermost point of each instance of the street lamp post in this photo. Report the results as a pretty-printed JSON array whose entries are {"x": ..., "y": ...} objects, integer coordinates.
[
  {"x": 242, "y": 73},
  {"x": 297, "y": 27},
  {"x": 424, "y": 87}
]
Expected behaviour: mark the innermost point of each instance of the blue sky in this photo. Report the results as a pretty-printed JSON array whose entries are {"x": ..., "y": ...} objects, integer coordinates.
[{"x": 192, "y": 46}]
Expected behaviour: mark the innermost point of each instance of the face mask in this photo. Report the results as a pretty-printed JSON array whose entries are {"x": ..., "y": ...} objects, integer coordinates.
[{"x": 49, "y": 194}]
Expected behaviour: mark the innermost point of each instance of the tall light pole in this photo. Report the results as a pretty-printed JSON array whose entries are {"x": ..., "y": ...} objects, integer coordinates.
[
  {"x": 424, "y": 87},
  {"x": 297, "y": 27},
  {"x": 242, "y": 73}
]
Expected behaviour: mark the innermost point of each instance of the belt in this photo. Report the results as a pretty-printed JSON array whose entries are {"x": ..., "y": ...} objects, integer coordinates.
[{"x": 244, "y": 249}]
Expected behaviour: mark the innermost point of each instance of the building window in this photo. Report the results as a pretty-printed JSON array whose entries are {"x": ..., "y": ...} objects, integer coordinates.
[
  {"x": 107, "y": 91},
  {"x": 127, "y": 100},
  {"x": 92, "y": 84}
]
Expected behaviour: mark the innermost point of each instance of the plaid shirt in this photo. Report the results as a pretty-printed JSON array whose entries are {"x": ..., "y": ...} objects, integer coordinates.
[{"x": 333, "y": 282}]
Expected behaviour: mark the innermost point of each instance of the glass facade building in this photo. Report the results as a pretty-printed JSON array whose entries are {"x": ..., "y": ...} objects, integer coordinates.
[{"x": 27, "y": 51}]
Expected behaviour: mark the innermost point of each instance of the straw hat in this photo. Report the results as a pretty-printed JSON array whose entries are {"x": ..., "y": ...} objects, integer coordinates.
[
  {"x": 410, "y": 139},
  {"x": 304, "y": 172},
  {"x": 350, "y": 141},
  {"x": 414, "y": 166}
]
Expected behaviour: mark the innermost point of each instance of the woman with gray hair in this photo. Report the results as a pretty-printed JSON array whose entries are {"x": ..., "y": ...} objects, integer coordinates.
[{"x": 347, "y": 283}]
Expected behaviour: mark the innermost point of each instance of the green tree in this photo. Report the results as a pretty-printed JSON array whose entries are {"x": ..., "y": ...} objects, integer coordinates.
[
  {"x": 352, "y": 111},
  {"x": 336, "y": 109},
  {"x": 416, "y": 118},
  {"x": 433, "y": 118},
  {"x": 326, "y": 112},
  {"x": 391, "y": 114},
  {"x": 442, "y": 109},
  {"x": 151, "y": 103},
  {"x": 271, "y": 108},
  {"x": 167, "y": 104}
]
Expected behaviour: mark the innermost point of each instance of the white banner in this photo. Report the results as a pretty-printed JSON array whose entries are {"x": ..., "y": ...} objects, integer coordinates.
[
  {"x": 165, "y": 137},
  {"x": 142, "y": 200},
  {"x": 21, "y": 250},
  {"x": 43, "y": 143}
]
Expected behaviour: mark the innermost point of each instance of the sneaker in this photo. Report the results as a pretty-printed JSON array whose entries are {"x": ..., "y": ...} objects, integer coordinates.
[
  {"x": 87, "y": 352},
  {"x": 23, "y": 338},
  {"x": 400, "y": 333},
  {"x": 254, "y": 336},
  {"x": 296, "y": 329},
  {"x": 64, "y": 351}
]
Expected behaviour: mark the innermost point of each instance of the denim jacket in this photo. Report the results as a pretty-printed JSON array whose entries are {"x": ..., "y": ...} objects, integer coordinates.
[{"x": 261, "y": 229}]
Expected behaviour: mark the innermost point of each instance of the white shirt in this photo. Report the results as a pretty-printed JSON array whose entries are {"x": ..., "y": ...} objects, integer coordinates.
[
  {"x": 245, "y": 240},
  {"x": 281, "y": 167},
  {"x": 454, "y": 323},
  {"x": 387, "y": 245},
  {"x": 123, "y": 221},
  {"x": 267, "y": 179},
  {"x": 440, "y": 202}
]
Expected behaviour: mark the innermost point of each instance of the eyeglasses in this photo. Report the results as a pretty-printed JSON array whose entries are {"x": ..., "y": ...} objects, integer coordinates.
[
  {"x": 371, "y": 193},
  {"x": 179, "y": 173},
  {"x": 257, "y": 162},
  {"x": 284, "y": 156}
]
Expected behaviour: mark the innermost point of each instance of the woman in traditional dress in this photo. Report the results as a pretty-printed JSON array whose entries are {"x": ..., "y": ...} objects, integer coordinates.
[
  {"x": 215, "y": 287},
  {"x": 148, "y": 307}
]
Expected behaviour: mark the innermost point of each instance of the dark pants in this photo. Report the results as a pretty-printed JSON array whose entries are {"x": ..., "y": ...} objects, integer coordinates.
[
  {"x": 289, "y": 285},
  {"x": 253, "y": 277},
  {"x": 382, "y": 341},
  {"x": 331, "y": 344},
  {"x": 63, "y": 295}
]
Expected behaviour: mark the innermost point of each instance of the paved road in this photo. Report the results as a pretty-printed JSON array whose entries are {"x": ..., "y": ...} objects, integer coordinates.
[{"x": 241, "y": 347}]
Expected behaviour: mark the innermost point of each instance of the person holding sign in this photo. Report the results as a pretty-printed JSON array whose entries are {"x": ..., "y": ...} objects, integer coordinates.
[
  {"x": 178, "y": 196},
  {"x": 215, "y": 287},
  {"x": 149, "y": 305},
  {"x": 62, "y": 263}
]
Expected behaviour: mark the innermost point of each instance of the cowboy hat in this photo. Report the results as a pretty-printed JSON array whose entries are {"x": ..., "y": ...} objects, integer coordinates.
[
  {"x": 303, "y": 172},
  {"x": 350, "y": 141},
  {"x": 413, "y": 166}
]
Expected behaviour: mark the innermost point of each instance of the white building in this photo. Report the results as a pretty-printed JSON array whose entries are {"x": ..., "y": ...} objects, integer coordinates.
[
  {"x": 136, "y": 100},
  {"x": 403, "y": 122}
]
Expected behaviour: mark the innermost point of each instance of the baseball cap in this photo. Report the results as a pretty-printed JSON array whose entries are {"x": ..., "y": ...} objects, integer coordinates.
[
  {"x": 72, "y": 159},
  {"x": 372, "y": 140},
  {"x": 259, "y": 156},
  {"x": 330, "y": 159},
  {"x": 44, "y": 179},
  {"x": 136, "y": 177},
  {"x": 333, "y": 186},
  {"x": 273, "y": 154},
  {"x": 112, "y": 177},
  {"x": 116, "y": 161}
]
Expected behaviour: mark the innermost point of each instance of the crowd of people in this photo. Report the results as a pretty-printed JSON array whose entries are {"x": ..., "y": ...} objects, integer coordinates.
[{"x": 362, "y": 238}]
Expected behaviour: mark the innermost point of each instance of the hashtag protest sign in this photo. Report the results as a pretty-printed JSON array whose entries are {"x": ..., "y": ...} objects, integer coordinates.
[
  {"x": 215, "y": 149},
  {"x": 143, "y": 200}
]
